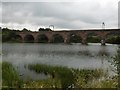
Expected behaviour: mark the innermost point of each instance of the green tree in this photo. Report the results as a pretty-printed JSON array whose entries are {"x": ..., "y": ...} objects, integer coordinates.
[
  {"x": 8, "y": 35},
  {"x": 25, "y": 30}
]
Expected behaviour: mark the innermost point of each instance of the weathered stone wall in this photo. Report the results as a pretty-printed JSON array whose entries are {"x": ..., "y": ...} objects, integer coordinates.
[{"x": 66, "y": 34}]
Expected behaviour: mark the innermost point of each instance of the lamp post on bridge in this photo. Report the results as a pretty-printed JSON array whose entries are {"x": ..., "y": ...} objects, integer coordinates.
[
  {"x": 103, "y": 25},
  {"x": 51, "y": 26},
  {"x": 103, "y": 39}
]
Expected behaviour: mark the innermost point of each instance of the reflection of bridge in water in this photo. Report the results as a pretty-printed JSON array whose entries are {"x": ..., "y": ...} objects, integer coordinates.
[{"x": 50, "y": 36}]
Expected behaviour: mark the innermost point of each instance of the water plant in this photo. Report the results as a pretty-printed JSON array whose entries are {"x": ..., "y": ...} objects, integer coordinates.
[
  {"x": 10, "y": 76},
  {"x": 64, "y": 74},
  {"x": 60, "y": 77},
  {"x": 69, "y": 76}
]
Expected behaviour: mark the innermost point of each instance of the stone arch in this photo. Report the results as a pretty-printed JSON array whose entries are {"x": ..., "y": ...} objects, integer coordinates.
[
  {"x": 112, "y": 34},
  {"x": 93, "y": 37},
  {"x": 74, "y": 38},
  {"x": 113, "y": 38},
  {"x": 29, "y": 38},
  {"x": 18, "y": 38},
  {"x": 42, "y": 38},
  {"x": 57, "y": 38}
]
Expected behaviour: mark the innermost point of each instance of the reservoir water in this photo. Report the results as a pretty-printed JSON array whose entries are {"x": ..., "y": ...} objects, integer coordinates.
[{"x": 74, "y": 55}]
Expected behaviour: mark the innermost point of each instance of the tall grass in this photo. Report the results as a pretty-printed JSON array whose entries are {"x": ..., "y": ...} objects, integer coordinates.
[
  {"x": 69, "y": 76},
  {"x": 60, "y": 77},
  {"x": 0, "y": 74},
  {"x": 116, "y": 63},
  {"x": 64, "y": 74},
  {"x": 10, "y": 76}
]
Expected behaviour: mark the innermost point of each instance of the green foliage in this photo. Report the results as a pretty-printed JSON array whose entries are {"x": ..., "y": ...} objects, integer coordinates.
[
  {"x": 46, "y": 29},
  {"x": 47, "y": 83},
  {"x": 0, "y": 73},
  {"x": 113, "y": 40},
  {"x": 116, "y": 63},
  {"x": 85, "y": 77},
  {"x": 116, "y": 60},
  {"x": 103, "y": 83},
  {"x": 10, "y": 76},
  {"x": 29, "y": 39},
  {"x": 59, "y": 77},
  {"x": 8, "y": 35},
  {"x": 58, "y": 38},
  {"x": 75, "y": 39},
  {"x": 93, "y": 39},
  {"x": 68, "y": 76},
  {"x": 42, "y": 39},
  {"x": 25, "y": 30},
  {"x": 64, "y": 74}
]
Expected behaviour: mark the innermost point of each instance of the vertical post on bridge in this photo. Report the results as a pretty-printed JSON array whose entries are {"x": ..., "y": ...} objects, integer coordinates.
[{"x": 103, "y": 25}]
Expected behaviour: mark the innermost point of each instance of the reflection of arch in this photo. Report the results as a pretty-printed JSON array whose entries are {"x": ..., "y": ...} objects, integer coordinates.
[
  {"x": 29, "y": 38},
  {"x": 18, "y": 38},
  {"x": 93, "y": 37},
  {"x": 58, "y": 38},
  {"x": 75, "y": 38},
  {"x": 42, "y": 38}
]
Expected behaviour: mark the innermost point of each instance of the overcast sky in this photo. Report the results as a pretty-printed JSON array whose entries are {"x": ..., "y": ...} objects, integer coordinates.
[{"x": 82, "y": 14}]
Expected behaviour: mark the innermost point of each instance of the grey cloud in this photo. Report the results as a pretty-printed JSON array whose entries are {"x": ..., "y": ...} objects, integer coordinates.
[{"x": 62, "y": 15}]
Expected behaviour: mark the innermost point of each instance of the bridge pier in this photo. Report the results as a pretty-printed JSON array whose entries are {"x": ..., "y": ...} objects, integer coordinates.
[
  {"x": 36, "y": 40},
  {"x": 84, "y": 42},
  {"x": 50, "y": 41},
  {"x": 66, "y": 40},
  {"x": 103, "y": 42},
  {"x": 22, "y": 39},
  {"x": 50, "y": 38}
]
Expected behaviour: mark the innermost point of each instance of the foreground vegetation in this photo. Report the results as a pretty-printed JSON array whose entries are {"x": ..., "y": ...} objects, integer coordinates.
[
  {"x": 116, "y": 63},
  {"x": 60, "y": 77},
  {"x": 10, "y": 77},
  {"x": 69, "y": 77}
]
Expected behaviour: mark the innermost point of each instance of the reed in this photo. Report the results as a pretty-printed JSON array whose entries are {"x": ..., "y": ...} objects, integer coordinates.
[
  {"x": 64, "y": 74},
  {"x": 68, "y": 76},
  {"x": 10, "y": 76},
  {"x": 60, "y": 77}
]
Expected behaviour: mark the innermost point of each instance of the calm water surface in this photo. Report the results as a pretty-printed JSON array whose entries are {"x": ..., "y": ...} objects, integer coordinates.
[{"x": 70, "y": 55}]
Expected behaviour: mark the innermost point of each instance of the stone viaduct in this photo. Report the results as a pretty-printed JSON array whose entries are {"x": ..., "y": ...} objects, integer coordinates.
[{"x": 102, "y": 33}]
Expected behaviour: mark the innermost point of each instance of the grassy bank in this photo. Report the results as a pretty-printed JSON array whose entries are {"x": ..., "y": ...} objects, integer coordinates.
[
  {"x": 10, "y": 77},
  {"x": 60, "y": 77},
  {"x": 63, "y": 74},
  {"x": 68, "y": 77}
]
